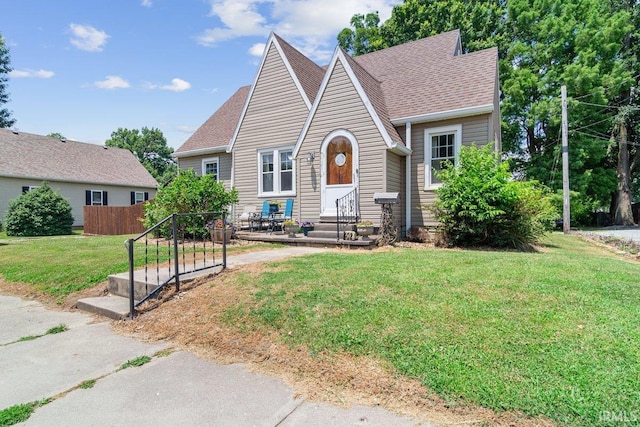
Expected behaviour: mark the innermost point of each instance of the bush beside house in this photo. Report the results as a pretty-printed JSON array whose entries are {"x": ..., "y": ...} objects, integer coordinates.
[
  {"x": 189, "y": 192},
  {"x": 39, "y": 212},
  {"x": 480, "y": 204}
]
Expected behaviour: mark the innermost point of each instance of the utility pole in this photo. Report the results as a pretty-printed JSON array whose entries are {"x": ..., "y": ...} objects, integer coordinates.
[{"x": 566, "y": 206}]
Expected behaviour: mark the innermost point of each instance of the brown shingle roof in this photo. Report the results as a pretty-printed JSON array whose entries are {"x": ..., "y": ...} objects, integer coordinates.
[
  {"x": 47, "y": 158},
  {"x": 218, "y": 130},
  {"x": 308, "y": 72},
  {"x": 373, "y": 90},
  {"x": 424, "y": 76}
]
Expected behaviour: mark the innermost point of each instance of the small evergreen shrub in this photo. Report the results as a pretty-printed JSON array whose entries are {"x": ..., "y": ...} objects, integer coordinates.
[
  {"x": 480, "y": 204},
  {"x": 39, "y": 212},
  {"x": 189, "y": 192}
]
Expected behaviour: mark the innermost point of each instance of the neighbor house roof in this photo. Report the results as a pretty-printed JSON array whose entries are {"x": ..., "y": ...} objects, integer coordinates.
[
  {"x": 25, "y": 155},
  {"x": 218, "y": 130},
  {"x": 426, "y": 76}
]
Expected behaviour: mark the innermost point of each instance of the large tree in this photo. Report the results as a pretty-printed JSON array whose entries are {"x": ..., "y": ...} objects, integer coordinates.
[
  {"x": 543, "y": 44},
  {"x": 150, "y": 148},
  {"x": 5, "y": 67}
]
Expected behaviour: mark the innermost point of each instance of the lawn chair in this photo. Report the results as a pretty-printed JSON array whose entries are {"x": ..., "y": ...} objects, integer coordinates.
[
  {"x": 265, "y": 215},
  {"x": 279, "y": 220},
  {"x": 247, "y": 216}
]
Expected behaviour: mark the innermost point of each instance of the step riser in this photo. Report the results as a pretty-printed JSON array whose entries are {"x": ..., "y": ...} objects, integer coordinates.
[
  {"x": 323, "y": 226},
  {"x": 120, "y": 286}
]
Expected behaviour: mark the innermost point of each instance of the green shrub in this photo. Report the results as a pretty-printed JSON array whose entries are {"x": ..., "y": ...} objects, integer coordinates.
[
  {"x": 189, "y": 192},
  {"x": 480, "y": 204},
  {"x": 39, "y": 212},
  {"x": 583, "y": 208}
]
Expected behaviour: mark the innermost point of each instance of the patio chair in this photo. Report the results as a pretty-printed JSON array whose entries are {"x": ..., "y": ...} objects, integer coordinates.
[
  {"x": 265, "y": 215},
  {"x": 247, "y": 216},
  {"x": 288, "y": 214}
]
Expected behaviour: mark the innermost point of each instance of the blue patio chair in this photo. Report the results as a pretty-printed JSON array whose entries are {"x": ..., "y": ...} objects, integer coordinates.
[
  {"x": 277, "y": 221},
  {"x": 265, "y": 215},
  {"x": 288, "y": 209}
]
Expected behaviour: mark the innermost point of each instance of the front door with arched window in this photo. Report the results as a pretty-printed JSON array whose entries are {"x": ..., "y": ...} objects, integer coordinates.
[{"x": 339, "y": 168}]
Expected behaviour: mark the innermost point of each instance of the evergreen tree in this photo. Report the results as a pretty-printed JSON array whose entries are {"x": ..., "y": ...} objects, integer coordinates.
[{"x": 5, "y": 67}]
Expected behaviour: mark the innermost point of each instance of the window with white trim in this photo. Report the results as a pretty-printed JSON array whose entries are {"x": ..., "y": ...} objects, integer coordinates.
[
  {"x": 96, "y": 198},
  {"x": 211, "y": 166},
  {"x": 441, "y": 147},
  {"x": 276, "y": 172},
  {"x": 28, "y": 188}
]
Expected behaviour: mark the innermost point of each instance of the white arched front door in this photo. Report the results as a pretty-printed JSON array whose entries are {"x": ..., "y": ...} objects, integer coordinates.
[{"x": 339, "y": 169}]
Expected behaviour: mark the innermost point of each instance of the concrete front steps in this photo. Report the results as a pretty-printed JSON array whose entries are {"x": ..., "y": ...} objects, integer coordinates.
[
  {"x": 116, "y": 304},
  {"x": 324, "y": 235}
]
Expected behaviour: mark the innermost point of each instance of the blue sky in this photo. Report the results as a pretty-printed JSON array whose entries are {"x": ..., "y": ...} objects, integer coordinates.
[{"x": 85, "y": 68}]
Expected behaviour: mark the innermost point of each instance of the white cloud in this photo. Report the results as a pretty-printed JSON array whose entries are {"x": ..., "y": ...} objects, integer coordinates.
[
  {"x": 310, "y": 25},
  {"x": 86, "y": 37},
  {"x": 177, "y": 85},
  {"x": 257, "y": 49},
  {"x": 186, "y": 129},
  {"x": 112, "y": 82},
  {"x": 39, "y": 74},
  {"x": 147, "y": 3}
]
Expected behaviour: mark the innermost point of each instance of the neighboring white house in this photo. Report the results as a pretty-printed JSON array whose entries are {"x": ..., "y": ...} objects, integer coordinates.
[{"x": 85, "y": 174}]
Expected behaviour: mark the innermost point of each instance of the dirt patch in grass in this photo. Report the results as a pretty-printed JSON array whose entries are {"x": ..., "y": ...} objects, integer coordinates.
[{"x": 194, "y": 320}]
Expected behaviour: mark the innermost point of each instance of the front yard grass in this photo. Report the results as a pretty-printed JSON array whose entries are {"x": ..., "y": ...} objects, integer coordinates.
[
  {"x": 60, "y": 265},
  {"x": 554, "y": 333}
]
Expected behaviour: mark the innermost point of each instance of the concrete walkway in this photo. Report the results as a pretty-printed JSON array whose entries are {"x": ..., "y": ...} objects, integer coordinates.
[{"x": 178, "y": 389}]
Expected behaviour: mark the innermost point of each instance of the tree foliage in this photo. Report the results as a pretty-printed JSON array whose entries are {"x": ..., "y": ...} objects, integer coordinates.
[
  {"x": 39, "y": 212},
  {"x": 57, "y": 135},
  {"x": 5, "y": 68},
  {"x": 479, "y": 204},
  {"x": 592, "y": 47},
  {"x": 150, "y": 148}
]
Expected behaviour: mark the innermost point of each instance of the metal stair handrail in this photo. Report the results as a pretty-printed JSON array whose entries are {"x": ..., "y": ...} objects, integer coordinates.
[{"x": 347, "y": 210}]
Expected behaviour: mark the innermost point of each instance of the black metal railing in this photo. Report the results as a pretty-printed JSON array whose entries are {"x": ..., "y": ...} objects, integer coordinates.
[
  {"x": 177, "y": 245},
  {"x": 347, "y": 210}
]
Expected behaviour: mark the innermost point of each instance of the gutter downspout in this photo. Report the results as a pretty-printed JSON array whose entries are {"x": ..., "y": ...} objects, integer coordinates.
[{"x": 408, "y": 179}]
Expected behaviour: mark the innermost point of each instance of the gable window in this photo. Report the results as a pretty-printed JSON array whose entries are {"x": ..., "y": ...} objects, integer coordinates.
[
  {"x": 96, "y": 198},
  {"x": 211, "y": 166},
  {"x": 139, "y": 197},
  {"x": 276, "y": 172},
  {"x": 441, "y": 147}
]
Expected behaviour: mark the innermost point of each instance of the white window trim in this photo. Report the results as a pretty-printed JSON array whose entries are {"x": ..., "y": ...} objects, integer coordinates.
[
  {"x": 101, "y": 197},
  {"x": 208, "y": 160},
  {"x": 276, "y": 173},
  {"x": 136, "y": 197},
  {"x": 428, "y": 133}
]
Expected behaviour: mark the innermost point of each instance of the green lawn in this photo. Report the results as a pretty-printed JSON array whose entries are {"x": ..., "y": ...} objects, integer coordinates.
[
  {"x": 554, "y": 333},
  {"x": 61, "y": 265}
]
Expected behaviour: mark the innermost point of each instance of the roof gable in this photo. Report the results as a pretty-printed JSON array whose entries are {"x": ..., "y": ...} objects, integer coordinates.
[
  {"x": 25, "y": 155},
  {"x": 369, "y": 92},
  {"x": 218, "y": 130},
  {"x": 289, "y": 56}
]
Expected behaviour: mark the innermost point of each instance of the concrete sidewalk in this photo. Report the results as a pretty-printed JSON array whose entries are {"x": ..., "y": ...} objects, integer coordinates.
[{"x": 178, "y": 389}]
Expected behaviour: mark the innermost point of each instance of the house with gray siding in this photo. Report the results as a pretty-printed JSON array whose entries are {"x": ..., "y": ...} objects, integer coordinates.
[
  {"x": 85, "y": 174},
  {"x": 380, "y": 122}
]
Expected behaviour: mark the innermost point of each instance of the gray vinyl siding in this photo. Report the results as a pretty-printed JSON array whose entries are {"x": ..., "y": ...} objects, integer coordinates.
[
  {"x": 195, "y": 163},
  {"x": 396, "y": 184},
  {"x": 342, "y": 108},
  {"x": 11, "y": 188},
  {"x": 475, "y": 129},
  {"x": 274, "y": 117}
]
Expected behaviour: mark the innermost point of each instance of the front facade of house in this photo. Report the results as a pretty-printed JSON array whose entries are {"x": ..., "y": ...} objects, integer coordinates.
[
  {"x": 380, "y": 122},
  {"x": 84, "y": 174}
]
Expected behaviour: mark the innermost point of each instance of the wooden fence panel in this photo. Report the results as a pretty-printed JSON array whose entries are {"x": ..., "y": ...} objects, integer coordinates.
[{"x": 114, "y": 220}]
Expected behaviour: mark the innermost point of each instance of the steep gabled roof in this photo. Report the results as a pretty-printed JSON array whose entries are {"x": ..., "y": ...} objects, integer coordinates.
[
  {"x": 308, "y": 72},
  {"x": 25, "y": 155},
  {"x": 372, "y": 88},
  {"x": 218, "y": 130},
  {"x": 427, "y": 76}
]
